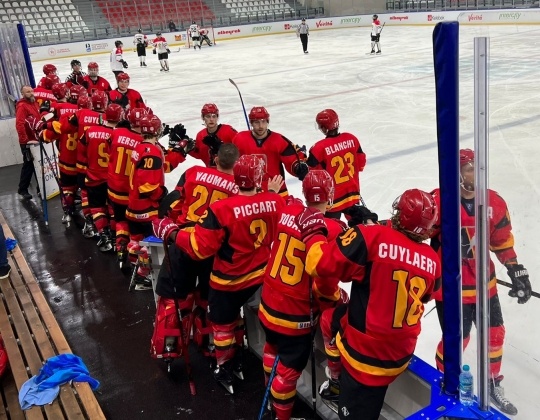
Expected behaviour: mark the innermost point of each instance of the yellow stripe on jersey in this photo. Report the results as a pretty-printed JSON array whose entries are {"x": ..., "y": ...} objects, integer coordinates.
[
  {"x": 119, "y": 197},
  {"x": 242, "y": 279},
  {"x": 280, "y": 321},
  {"x": 353, "y": 198},
  {"x": 312, "y": 259},
  {"x": 146, "y": 188},
  {"x": 472, "y": 292},
  {"x": 195, "y": 246}
]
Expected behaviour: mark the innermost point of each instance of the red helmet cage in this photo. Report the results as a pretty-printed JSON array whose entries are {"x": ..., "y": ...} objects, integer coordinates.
[
  {"x": 50, "y": 80},
  {"x": 60, "y": 90},
  {"x": 259, "y": 113},
  {"x": 85, "y": 102},
  {"x": 100, "y": 100},
  {"x": 248, "y": 172},
  {"x": 417, "y": 211},
  {"x": 465, "y": 156},
  {"x": 318, "y": 187},
  {"x": 114, "y": 113},
  {"x": 134, "y": 116},
  {"x": 327, "y": 119},
  {"x": 122, "y": 76},
  {"x": 209, "y": 109},
  {"x": 150, "y": 124},
  {"x": 49, "y": 69}
]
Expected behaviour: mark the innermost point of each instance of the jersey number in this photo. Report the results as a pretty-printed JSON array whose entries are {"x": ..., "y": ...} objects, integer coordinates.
[
  {"x": 260, "y": 228},
  {"x": 71, "y": 142},
  {"x": 291, "y": 272},
  {"x": 103, "y": 161},
  {"x": 123, "y": 161},
  {"x": 409, "y": 293},
  {"x": 201, "y": 192},
  {"x": 345, "y": 167}
]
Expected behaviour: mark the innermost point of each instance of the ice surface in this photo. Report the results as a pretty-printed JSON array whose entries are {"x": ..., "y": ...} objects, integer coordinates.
[{"x": 388, "y": 103}]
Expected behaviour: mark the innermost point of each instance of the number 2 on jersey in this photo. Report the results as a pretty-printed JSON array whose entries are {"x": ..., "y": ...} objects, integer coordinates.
[
  {"x": 413, "y": 288},
  {"x": 201, "y": 192},
  {"x": 345, "y": 167}
]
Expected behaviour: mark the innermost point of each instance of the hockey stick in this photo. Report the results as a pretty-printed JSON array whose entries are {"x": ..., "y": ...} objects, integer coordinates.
[
  {"x": 313, "y": 366},
  {"x": 505, "y": 283},
  {"x": 241, "y": 100},
  {"x": 44, "y": 197},
  {"x": 267, "y": 390}
]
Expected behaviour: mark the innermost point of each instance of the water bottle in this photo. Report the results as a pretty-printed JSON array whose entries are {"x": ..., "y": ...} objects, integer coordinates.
[{"x": 466, "y": 386}]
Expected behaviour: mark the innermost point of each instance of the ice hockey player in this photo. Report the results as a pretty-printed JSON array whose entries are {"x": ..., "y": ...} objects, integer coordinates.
[
  {"x": 342, "y": 156},
  {"x": 195, "y": 34},
  {"x": 118, "y": 64},
  {"x": 238, "y": 232},
  {"x": 75, "y": 92},
  {"x": 203, "y": 33},
  {"x": 47, "y": 69},
  {"x": 209, "y": 139},
  {"x": 290, "y": 297},
  {"x": 379, "y": 332},
  {"x": 280, "y": 152},
  {"x": 141, "y": 42},
  {"x": 124, "y": 96},
  {"x": 376, "y": 29},
  {"x": 501, "y": 243},
  {"x": 93, "y": 82},
  {"x": 162, "y": 49},
  {"x": 44, "y": 94},
  {"x": 76, "y": 76}
]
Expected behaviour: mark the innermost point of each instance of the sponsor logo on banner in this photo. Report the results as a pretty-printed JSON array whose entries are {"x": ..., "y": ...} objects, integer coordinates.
[
  {"x": 509, "y": 16},
  {"x": 229, "y": 32},
  {"x": 51, "y": 51},
  {"x": 55, "y": 51},
  {"x": 288, "y": 26},
  {"x": 87, "y": 48},
  {"x": 400, "y": 18},
  {"x": 323, "y": 23},
  {"x": 474, "y": 17},
  {"x": 99, "y": 46},
  {"x": 258, "y": 29},
  {"x": 433, "y": 18},
  {"x": 350, "y": 20}
]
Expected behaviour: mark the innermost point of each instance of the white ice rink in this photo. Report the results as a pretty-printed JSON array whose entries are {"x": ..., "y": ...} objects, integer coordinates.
[{"x": 388, "y": 102}]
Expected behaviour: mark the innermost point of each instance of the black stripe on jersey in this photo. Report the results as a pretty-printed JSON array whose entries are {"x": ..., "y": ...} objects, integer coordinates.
[
  {"x": 290, "y": 150},
  {"x": 373, "y": 361},
  {"x": 354, "y": 249},
  {"x": 345, "y": 196},
  {"x": 231, "y": 277},
  {"x": 150, "y": 163},
  {"x": 209, "y": 220},
  {"x": 360, "y": 291},
  {"x": 313, "y": 162},
  {"x": 505, "y": 221},
  {"x": 287, "y": 317},
  {"x": 182, "y": 180}
]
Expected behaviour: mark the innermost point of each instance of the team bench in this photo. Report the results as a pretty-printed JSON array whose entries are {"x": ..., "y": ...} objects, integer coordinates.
[{"x": 31, "y": 335}]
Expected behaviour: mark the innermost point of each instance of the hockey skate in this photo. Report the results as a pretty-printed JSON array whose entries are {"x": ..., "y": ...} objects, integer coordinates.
[
  {"x": 121, "y": 256},
  {"x": 66, "y": 219},
  {"x": 329, "y": 392},
  {"x": 378, "y": 52},
  {"x": 142, "y": 283},
  {"x": 89, "y": 230},
  {"x": 105, "y": 243},
  {"x": 238, "y": 363},
  {"x": 496, "y": 392},
  {"x": 223, "y": 374}
]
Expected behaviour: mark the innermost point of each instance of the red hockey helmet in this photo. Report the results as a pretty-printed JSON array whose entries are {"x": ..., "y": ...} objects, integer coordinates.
[
  {"x": 100, "y": 100},
  {"x": 49, "y": 69},
  {"x": 466, "y": 156},
  {"x": 416, "y": 211},
  {"x": 50, "y": 80},
  {"x": 76, "y": 91},
  {"x": 122, "y": 77},
  {"x": 318, "y": 187},
  {"x": 258, "y": 113},
  {"x": 328, "y": 120},
  {"x": 114, "y": 113},
  {"x": 60, "y": 90},
  {"x": 151, "y": 125},
  {"x": 248, "y": 172},
  {"x": 134, "y": 116},
  {"x": 209, "y": 109},
  {"x": 93, "y": 69},
  {"x": 84, "y": 102}
]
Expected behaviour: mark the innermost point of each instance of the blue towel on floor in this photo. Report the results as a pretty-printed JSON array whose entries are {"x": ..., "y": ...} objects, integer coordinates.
[
  {"x": 10, "y": 244},
  {"x": 58, "y": 370}
]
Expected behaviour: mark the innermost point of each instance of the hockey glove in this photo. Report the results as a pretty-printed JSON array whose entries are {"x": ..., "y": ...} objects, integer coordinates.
[
  {"x": 185, "y": 146},
  {"x": 291, "y": 201},
  {"x": 168, "y": 51},
  {"x": 311, "y": 223},
  {"x": 360, "y": 215},
  {"x": 45, "y": 107},
  {"x": 521, "y": 286},
  {"x": 166, "y": 129},
  {"x": 176, "y": 135},
  {"x": 300, "y": 170},
  {"x": 154, "y": 51},
  {"x": 213, "y": 142},
  {"x": 163, "y": 228},
  {"x": 124, "y": 64}
]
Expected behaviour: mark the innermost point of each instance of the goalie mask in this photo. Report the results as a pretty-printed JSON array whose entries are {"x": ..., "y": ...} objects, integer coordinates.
[
  {"x": 415, "y": 212},
  {"x": 248, "y": 172},
  {"x": 318, "y": 187}
]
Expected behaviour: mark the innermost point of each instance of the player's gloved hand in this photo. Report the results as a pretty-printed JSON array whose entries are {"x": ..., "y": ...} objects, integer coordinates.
[
  {"x": 154, "y": 51},
  {"x": 213, "y": 143},
  {"x": 521, "y": 286},
  {"x": 185, "y": 146},
  {"x": 168, "y": 51},
  {"x": 300, "y": 170},
  {"x": 291, "y": 201},
  {"x": 124, "y": 64},
  {"x": 176, "y": 135},
  {"x": 360, "y": 215},
  {"x": 163, "y": 228},
  {"x": 166, "y": 129},
  {"x": 45, "y": 106},
  {"x": 311, "y": 222}
]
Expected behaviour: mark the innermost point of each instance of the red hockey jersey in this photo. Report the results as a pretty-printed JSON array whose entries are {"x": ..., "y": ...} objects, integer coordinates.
[
  {"x": 342, "y": 157},
  {"x": 93, "y": 154},
  {"x": 501, "y": 242},
  {"x": 41, "y": 94},
  {"x": 238, "y": 231},
  {"x": 123, "y": 143},
  {"x": 392, "y": 277},
  {"x": 285, "y": 302},
  {"x": 199, "y": 187},
  {"x": 100, "y": 84},
  {"x": 201, "y": 151},
  {"x": 129, "y": 99},
  {"x": 279, "y": 152}
]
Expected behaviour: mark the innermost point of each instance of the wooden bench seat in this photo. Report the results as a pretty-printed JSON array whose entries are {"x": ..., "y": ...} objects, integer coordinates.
[{"x": 32, "y": 335}]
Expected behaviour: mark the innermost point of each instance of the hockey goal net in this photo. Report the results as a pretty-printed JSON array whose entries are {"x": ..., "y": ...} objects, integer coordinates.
[{"x": 207, "y": 38}]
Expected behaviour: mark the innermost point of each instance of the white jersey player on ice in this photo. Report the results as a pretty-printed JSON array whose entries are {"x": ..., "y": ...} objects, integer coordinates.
[
  {"x": 195, "y": 33},
  {"x": 162, "y": 49},
  {"x": 376, "y": 29},
  {"x": 141, "y": 42}
]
